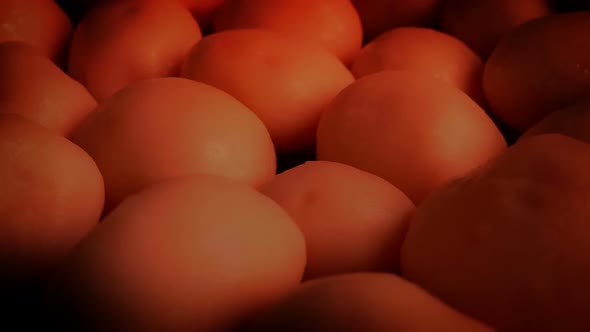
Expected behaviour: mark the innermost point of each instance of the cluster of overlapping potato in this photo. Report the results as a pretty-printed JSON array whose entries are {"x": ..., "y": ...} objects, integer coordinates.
[{"x": 432, "y": 157}]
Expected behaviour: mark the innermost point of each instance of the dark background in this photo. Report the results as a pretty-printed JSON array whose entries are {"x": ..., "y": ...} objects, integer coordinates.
[{"x": 77, "y": 8}]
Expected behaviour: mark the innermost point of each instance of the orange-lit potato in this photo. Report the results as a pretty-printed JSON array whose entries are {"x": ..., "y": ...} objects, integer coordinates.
[
  {"x": 352, "y": 220},
  {"x": 51, "y": 195},
  {"x": 427, "y": 51},
  {"x": 284, "y": 83},
  {"x": 510, "y": 244},
  {"x": 203, "y": 10},
  {"x": 169, "y": 127},
  {"x": 482, "y": 23},
  {"x": 378, "y": 16},
  {"x": 573, "y": 121},
  {"x": 191, "y": 254},
  {"x": 120, "y": 42},
  {"x": 35, "y": 88},
  {"x": 413, "y": 130},
  {"x": 40, "y": 23},
  {"x": 333, "y": 24},
  {"x": 368, "y": 302},
  {"x": 540, "y": 67}
]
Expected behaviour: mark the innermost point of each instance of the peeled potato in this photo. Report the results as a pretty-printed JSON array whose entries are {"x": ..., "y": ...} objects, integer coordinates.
[
  {"x": 333, "y": 24},
  {"x": 540, "y": 67},
  {"x": 426, "y": 51},
  {"x": 121, "y": 42},
  {"x": 368, "y": 302},
  {"x": 51, "y": 196},
  {"x": 572, "y": 121},
  {"x": 481, "y": 24},
  {"x": 411, "y": 129},
  {"x": 169, "y": 127},
  {"x": 286, "y": 84},
  {"x": 510, "y": 243},
  {"x": 35, "y": 88},
  {"x": 352, "y": 220},
  {"x": 378, "y": 16},
  {"x": 200, "y": 253},
  {"x": 40, "y": 23}
]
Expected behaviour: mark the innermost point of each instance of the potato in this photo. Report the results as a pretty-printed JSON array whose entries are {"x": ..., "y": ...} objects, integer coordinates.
[
  {"x": 378, "y": 16},
  {"x": 35, "y": 88},
  {"x": 411, "y": 129},
  {"x": 368, "y": 302},
  {"x": 481, "y": 24},
  {"x": 540, "y": 67},
  {"x": 285, "y": 83},
  {"x": 333, "y": 24},
  {"x": 169, "y": 127},
  {"x": 51, "y": 196},
  {"x": 510, "y": 243},
  {"x": 351, "y": 220},
  {"x": 40, "y": 23},
  {"x": 121, "y": 42},
  {"x": 424, "y": 51},
  {"x": 573, "y": 121},
  {"x": 199, "y": 253}
]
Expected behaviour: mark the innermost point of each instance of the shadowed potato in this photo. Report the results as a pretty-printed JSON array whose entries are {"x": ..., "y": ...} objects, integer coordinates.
[
  {"x": 368, "y": 302},
  {"x": 509, "y": 244},
  {"x": 199, "y": 253},
  {"x": 332, "y": 24},
  {"x": 51, "y": 196},
  {"x": 539, "y": 67},
  {"x": 121, "y": 42}
]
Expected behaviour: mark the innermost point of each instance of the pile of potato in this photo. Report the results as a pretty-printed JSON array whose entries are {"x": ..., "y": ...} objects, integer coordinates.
[{"x": 295, "y": 165}]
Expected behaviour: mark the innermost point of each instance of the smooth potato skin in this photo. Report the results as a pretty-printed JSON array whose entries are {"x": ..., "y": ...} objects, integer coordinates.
[
  {"x": 332, "y": 24},
  {"x": 34, "y": 87},
  {"x": 371, "y": 302},
  {"x": 352, "y": 220},
  {"x": 180, "y": 170},
  {"x": 508, "y": 244},
  {"x": 482, "y": 24},
  {"x": 287, "y": 84},
  {"x": 192, "y": 253},
  {"x": 51, "y": 196},
  {"x": 540, "y": 67},
  {"x": 572, "y": 121},
  {"x": 424, "y": 50},
  {"x": 39, "y": 23},
  {"x": 168, "y": 127},
  {"x": 411, "y": 129},
  {"x": 378, "y": 16},
  {"x": 121, "y": 42}
]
